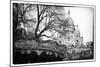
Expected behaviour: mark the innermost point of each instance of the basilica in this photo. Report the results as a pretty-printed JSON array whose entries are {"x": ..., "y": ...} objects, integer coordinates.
[{"x": 71, "y": 36}]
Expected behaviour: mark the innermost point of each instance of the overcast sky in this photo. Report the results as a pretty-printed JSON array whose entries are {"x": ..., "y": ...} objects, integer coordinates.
[{"x": 83, "y": 17}]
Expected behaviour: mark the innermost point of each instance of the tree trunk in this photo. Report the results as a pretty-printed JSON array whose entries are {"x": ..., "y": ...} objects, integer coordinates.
[{"x": 36, "y": 30}]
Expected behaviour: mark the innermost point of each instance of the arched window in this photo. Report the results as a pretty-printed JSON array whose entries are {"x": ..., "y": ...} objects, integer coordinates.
[{"x": 68, "y": 38}]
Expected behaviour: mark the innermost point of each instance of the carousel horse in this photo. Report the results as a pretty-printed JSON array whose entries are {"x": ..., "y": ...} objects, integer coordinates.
[{"x": 23, "y": 28}]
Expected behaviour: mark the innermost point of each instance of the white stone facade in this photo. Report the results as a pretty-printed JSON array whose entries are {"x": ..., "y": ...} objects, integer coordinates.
[{"x": 72, "y": 34}]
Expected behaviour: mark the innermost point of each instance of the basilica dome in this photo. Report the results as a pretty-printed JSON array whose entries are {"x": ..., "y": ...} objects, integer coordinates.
[{"x": 69, "y": 23}]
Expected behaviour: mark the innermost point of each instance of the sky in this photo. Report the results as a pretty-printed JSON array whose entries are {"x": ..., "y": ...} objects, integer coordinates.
[{"x": 83, "y": 17}]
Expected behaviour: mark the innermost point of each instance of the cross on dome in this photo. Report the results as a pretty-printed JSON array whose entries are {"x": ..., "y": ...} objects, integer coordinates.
[{"x": 68, "y": 12}]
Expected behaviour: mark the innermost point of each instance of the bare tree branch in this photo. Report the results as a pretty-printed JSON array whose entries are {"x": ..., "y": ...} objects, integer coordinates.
[
  {"x": 46, "y": 36},
  {"x": 20, "y": 10},
  {"x": 42, "y": 11},
  {"x": 26, "y": 9},
  {"x": 37, "y": 20},
  {"x": 43, "y": 30},
  {"x": 42, "y": 18},
  {"x": 40, "y": 14}
]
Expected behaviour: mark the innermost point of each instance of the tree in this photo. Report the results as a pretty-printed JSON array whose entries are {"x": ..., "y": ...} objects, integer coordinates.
[
  {"x": 19, "y": 11},
  {"x": 46, "y": 18},
  {"x": 49, "y": 16}
]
